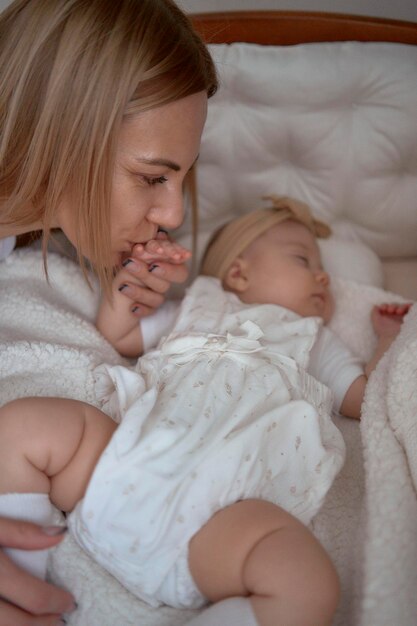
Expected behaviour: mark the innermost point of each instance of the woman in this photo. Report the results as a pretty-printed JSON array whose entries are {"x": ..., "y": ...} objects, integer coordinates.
[{"x": 102, "y": 107}]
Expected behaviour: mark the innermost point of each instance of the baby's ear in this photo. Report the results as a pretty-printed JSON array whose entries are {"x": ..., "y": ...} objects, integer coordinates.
[{"x": 237, "y": 276}]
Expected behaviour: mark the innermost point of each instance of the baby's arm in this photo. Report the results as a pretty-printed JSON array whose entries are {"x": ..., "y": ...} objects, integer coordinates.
[
  {"x": 51, "y": 445},
  {"x": 386, "y": 321},
  {"x": 137, "y": 290}
]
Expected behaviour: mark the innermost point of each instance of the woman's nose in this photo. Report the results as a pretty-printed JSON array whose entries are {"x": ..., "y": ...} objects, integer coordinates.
[{"x": 169, "y": 210}]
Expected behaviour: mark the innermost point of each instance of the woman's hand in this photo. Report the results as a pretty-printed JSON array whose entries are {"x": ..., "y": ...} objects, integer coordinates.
[
  {"x": 150, "y": 270},
  {"x": 25, "y": 600}
]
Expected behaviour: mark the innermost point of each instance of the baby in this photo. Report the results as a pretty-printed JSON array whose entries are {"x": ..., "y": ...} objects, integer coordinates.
[
  {"x": 225, "y": 448},
  {"x": 256, "y": 258}
]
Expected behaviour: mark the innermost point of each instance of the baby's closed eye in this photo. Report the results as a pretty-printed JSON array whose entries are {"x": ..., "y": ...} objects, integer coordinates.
[{"x": 303, "y": 259}]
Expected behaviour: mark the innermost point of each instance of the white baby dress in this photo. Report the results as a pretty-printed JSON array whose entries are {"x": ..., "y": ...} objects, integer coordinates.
[{"x": 222, "y": 410}]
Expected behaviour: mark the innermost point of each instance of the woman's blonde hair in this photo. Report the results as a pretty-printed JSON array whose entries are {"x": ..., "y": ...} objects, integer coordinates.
[{"x": 70, "y": 71}]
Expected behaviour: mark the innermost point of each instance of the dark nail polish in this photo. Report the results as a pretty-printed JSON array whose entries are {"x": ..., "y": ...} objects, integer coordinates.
[
  {"x": 126, "y": 262},
  {"x": 152, "y": 267}
]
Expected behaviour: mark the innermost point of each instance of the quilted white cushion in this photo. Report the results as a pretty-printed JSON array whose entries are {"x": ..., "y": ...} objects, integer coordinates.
[{"x": 334, "y": 125}]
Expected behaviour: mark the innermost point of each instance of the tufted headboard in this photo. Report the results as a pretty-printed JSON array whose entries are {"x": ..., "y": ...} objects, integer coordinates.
[{"x": 332, "y": 123}]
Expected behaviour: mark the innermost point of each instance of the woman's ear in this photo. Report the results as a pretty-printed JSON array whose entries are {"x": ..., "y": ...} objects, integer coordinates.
[{"x": 237, "y": 276}]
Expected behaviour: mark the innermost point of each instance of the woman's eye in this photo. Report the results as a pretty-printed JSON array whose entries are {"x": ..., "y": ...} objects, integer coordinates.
[
  {"x": 304, "y": 260},
  {"x": 159, "y": 180}
]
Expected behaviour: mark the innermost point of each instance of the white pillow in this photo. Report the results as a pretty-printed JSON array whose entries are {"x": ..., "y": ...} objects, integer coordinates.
[{"x": 352, "y": 260}]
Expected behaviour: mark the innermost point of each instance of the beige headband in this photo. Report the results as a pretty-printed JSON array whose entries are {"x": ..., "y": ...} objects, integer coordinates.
[{"x": 238, "y": 234}]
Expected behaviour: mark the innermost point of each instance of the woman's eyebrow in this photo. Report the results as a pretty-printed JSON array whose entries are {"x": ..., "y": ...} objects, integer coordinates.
[{"x": 163, "y": 163}]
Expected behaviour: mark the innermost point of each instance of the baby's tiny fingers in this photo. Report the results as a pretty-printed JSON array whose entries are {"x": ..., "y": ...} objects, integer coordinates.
[
  {"x": 394, "y": 308},
  {"x": 169, "y": 249},
  {"x": 404, "y": 307},
  {"x": 387, "y": 308},
  {"x": 162, "y": 234},
  {"x": 161, "y": 249}
]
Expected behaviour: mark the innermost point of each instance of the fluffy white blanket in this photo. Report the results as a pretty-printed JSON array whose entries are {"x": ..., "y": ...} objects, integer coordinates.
[
  {"x": 389, "y": 433},
  {"x": 49, "y": 346}
]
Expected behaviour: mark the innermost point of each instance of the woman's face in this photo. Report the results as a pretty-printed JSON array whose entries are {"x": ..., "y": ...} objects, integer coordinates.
[{"x": 155, "y": 151}]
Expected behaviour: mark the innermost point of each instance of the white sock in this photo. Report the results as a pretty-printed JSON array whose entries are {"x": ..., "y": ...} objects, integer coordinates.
[
  {"x": 229, "y": 612},
  {"x": 30, "y": 507}
]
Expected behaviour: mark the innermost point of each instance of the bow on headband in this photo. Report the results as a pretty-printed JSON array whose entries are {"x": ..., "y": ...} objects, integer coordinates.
[{"x": 238, "y": 234}]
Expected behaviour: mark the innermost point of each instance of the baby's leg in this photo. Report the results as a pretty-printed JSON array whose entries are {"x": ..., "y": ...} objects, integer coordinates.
[
  {"x": 254, "y": 548},
  {"x": 50, "y": 446}
]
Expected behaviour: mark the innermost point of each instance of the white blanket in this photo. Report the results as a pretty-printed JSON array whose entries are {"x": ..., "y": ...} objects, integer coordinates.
[
  {"x": 49, "y": 346},
  {"x": 389, "y": 433}
]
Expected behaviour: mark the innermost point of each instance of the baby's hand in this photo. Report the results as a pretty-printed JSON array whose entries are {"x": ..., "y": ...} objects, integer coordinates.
[
  {"x": 388, "y": 317},
  {"x": 161, "y": 250},
  {"x": 149, "y": 271}
]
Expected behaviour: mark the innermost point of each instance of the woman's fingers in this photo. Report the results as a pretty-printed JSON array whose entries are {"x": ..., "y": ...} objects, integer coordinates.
[
  {"x": 28, "y": 536},
  {"x": 19, "y": 591},
  {"x": 171, "y": 273},
  {"x": 157, "y": 276},
  {"x": 141, "y": 295},
  {"x": 31, "y": 594},
  {"x": 167, "y": 273},
  {"x": 148, "y": 273},
  {"x": 12, "y": 615}
]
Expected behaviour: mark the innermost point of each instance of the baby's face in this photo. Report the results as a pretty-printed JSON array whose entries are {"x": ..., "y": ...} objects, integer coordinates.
[{"x": 284, "y": 266}]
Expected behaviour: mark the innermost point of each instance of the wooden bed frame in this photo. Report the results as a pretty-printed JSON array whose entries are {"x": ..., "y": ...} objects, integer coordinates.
[{"x": 292, "y": 27}]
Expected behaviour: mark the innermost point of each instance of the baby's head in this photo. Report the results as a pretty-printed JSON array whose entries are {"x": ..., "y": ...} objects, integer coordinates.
[{"x": 271, "y": 256}]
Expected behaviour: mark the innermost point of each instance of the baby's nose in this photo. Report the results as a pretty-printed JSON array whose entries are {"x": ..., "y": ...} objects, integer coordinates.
[{"x": 323, "y": 278}]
